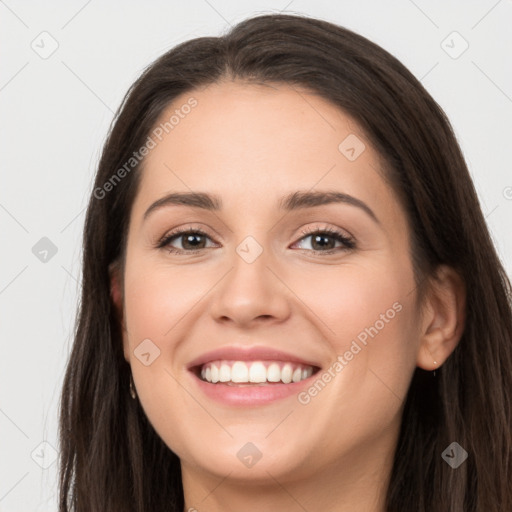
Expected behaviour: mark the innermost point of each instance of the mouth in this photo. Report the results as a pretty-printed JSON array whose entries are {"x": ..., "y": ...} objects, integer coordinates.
[
  {"x": 253, "y": 373},
  {"x": 250, "y": 377}
]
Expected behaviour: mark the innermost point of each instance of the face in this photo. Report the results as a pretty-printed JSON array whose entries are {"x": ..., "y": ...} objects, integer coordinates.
[{"x": 320, "y": 293}]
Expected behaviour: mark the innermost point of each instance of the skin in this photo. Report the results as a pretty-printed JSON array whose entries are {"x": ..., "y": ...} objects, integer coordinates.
[{"x": 252, "y": 144}]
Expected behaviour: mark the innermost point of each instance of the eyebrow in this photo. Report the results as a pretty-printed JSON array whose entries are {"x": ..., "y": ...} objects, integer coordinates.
[{"x": 291, "y": 202}]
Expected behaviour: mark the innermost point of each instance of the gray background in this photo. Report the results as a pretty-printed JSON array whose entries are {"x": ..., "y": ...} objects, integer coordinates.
[{"x": 56, "y": 109}]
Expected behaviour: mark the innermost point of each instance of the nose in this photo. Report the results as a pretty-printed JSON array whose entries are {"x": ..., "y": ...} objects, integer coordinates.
[{"x": 251, "y": 293}]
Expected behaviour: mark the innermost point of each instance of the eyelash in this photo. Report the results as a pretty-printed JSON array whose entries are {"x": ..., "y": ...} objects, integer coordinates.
[{"x": 348, "y": 242}]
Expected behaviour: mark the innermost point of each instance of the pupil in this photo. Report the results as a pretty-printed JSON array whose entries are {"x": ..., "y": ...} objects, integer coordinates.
[
  {"x": 190, "y": 238},
  {"x": 316, "y": 238}
]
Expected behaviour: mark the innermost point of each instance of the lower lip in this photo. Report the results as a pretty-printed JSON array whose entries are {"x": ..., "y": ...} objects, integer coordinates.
[{"x": 250, "y": 395}]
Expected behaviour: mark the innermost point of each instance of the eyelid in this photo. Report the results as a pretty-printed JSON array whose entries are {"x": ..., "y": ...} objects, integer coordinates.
[{"x": 308, "y": 230}]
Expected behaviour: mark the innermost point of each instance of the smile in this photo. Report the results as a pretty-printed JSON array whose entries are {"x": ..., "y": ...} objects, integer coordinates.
[
  {"x": 255, "y": 372},
  {"x": 251, "y": 375}
]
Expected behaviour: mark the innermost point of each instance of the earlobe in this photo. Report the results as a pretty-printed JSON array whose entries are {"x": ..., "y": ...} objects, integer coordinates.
[{"x": 444, "y": 323}]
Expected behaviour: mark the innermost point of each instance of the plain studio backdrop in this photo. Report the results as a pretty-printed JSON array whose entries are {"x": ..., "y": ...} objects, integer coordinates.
[{"x": 65, "y": 67}]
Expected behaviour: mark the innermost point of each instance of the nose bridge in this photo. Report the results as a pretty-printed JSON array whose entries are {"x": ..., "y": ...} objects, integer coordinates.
[{"x": 250, "y": 289}]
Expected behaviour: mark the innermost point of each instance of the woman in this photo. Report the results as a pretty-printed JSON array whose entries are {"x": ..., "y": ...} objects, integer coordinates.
[{"x": 290, "y": 299}]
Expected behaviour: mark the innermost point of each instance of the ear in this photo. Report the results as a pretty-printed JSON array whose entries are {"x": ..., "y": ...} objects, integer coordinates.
[
  {"x": 116, "y": 294},
  {"x": 443, "y": 318}
]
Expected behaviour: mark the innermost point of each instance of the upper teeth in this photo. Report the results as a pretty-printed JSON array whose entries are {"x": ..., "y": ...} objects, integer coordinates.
[{"x": 255, "y": 371}]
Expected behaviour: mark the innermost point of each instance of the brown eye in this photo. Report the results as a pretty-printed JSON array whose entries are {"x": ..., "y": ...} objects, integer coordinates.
[
  {"x": 191, "y": 241},
  {"x": 325, "y": 240}
]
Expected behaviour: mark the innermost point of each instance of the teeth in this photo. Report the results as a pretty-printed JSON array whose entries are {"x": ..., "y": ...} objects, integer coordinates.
[
  {"x": 274, "y": 373},
  {"x": 256, "y": 372},
  {"x": 215, "y": 374},
  {"x": 224, "y": 373},
  {"x": 239, "y": 372},
  {"x": 286, "y": 373}
]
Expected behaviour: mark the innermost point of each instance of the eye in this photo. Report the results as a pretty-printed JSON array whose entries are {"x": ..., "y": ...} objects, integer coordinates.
[
  {"x": 320, "y": 240},
  {"x": 193, "y": 241}
]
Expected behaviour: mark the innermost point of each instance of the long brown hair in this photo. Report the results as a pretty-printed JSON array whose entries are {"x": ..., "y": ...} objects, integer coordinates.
[{"x": 112, "y": 460}]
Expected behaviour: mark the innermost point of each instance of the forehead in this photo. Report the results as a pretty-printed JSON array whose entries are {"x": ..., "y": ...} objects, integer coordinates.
[{"x": 250, "y": 143}]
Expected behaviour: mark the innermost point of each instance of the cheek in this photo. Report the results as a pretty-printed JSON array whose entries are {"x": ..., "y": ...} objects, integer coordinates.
[
  {"x": 157, "y": 305},
  {"x": 369, "y": 313},
  {"x": 367, "y": 318},
  {"x": 360, "y": 394},
  {"x": 157, "y": 298},
  {"x": 355, "y": 302}
]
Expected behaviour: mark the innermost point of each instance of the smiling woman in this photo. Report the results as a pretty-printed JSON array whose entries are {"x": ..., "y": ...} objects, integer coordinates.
[{"x": 292, "y": 301}]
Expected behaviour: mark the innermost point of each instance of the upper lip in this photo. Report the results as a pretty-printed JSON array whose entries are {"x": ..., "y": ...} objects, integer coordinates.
[{"x": 254, "y": 353}]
